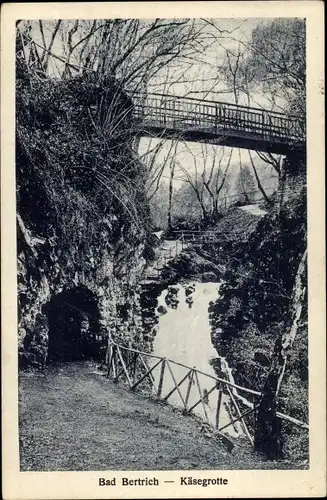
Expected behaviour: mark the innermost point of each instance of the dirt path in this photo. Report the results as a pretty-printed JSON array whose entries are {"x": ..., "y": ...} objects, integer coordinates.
[{"x": 72, "y": 418}]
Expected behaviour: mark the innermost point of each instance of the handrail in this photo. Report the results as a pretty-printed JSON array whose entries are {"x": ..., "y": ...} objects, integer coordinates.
[
  {"x": 194, "y": 119},
  {"x": 189, "y": 231},
  {"x": 221, "y": 103},
  {"x": 217, "y": 379},
  {"x": 120, "y": 365}
]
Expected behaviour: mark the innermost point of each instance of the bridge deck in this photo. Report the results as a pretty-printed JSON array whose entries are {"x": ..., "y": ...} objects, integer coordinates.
[{"x": 220, "y": 123}]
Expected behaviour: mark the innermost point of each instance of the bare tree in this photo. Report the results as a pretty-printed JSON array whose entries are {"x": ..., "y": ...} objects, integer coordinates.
[
  {"x": 272, "y": 62},
  {"x": 260, "y": 186},
  {"x": 133, "y": 51},
  {"x": 194, "y": 178},
  {"x": 207, "y": 176},
  {"x": 171, "y": 184},
  {"x": 215, "y": 180}
]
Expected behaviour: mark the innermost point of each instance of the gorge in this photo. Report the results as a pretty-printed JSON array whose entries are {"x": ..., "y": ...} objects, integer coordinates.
[{"x": 220, "y": 285}]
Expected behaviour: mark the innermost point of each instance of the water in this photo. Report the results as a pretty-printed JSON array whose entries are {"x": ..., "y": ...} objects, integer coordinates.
[{"x": 184, "y": 336}]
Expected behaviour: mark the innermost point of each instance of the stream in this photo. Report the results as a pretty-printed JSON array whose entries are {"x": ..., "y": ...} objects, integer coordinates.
[{"x": 184, "y": 336}]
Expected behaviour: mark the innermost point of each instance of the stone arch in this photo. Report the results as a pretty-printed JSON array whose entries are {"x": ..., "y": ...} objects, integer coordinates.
[{"x": 74, "y": 325}]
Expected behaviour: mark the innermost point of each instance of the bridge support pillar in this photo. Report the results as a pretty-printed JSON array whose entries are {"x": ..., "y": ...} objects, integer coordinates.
[{"x": 293, "y": 176}]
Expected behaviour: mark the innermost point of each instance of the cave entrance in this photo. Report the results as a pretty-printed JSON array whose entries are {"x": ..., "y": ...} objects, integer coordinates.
[{"x": 73, "y": 318}]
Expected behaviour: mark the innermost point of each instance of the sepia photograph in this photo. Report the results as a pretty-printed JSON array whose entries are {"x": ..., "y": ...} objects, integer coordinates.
[{"x": 161, "y": 254}]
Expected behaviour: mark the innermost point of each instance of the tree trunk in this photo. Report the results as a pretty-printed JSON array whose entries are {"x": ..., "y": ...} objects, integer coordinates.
[
  {"x": 268, "y": 438},
  {"x": 170, "y": 199},
  {"x": 260, "y": 186}
]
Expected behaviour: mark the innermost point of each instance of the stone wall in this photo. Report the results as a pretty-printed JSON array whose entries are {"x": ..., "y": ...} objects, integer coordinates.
[{"x": 45, "y": 270}]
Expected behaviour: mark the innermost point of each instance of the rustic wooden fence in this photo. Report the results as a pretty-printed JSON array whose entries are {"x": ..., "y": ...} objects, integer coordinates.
[
  {"x": 158, "y": 376},
  {"x": 182, "y": 239},
  {"x": 199, "y": 237},
  {"x": 165, "y": 256}
]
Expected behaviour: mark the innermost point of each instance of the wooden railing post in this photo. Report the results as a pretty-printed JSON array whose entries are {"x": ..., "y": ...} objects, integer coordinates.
[
  {"x": 134, "y": 366},
  {"x": 246, "y": 430},
  {"x": 201, "y": 396},
  {"x": 219, "y": 399},
  {"x": 109, "y": 357},
  {"x": 147, "y": 368},
  {"x": 161, "y": 379},
  {"x": 114, "y": 366},
  {"x": 177, "y": 386},
  {"x": 189, "y": 387},
  {"x": 148, "y": 373},
  {"x": 124, "y": 367},
  {"x": 175, "y": 382}
]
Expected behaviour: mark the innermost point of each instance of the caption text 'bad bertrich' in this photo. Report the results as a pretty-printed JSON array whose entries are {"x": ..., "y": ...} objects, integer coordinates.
[{"x": 184, "y": 481}]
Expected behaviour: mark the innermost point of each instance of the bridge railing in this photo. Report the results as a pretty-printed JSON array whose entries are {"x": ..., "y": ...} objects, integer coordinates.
[
  {"x": 199, "y": 237},
  {"x": 186, "y": 112},
  {"x": 252, "y": 196},
  {"x": 223, "y": 403},
  {"x": 169, "y": 254}
]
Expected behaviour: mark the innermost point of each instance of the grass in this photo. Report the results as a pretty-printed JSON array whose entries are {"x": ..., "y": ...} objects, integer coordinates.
[{"x": 74, "y": 419}]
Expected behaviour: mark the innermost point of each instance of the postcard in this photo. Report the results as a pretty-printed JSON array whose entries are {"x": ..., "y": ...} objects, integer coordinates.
[{"x": 163, "y": 259}]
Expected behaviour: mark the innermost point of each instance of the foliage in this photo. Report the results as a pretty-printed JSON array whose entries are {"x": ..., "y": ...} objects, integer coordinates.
[
  {"x": 78, "y": 176},
  {"x": 276, "y": 61}
]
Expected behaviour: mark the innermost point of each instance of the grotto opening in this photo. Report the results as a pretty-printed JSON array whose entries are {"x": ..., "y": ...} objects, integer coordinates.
[{"x": 73, "y": 321}]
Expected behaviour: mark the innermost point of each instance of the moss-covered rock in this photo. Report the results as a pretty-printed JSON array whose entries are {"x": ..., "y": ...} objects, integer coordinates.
[
  {"x": 255, "y": 301},
  {"x": 82, "y": 216}
]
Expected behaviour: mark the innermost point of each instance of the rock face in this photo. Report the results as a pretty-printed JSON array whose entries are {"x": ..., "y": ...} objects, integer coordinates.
[
  {"x": 150, "y": 312},
  {"x": 253, "y": 312},
  {"x": 192, "y": 263},
  {"x": 80, "y": 238},
  {"x": 86, "y": 293}
]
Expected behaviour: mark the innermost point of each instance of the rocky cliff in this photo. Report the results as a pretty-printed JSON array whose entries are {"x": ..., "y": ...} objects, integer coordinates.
[
  {"x": 256, "y": 300},
  {"x": 81, "y": 218}
]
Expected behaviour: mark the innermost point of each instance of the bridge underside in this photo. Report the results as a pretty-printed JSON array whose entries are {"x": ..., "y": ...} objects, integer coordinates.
[{"x": 230, "y": 138}]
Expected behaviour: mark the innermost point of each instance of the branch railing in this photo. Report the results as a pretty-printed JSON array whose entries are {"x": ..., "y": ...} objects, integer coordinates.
[
  {"x": 199, "y": 237},
  {"x": 223, "y": 403},
  {"x": 182, "y": 239},
  {"x": 205, "y": 237},
  {"x": 169, "y": 254}
]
